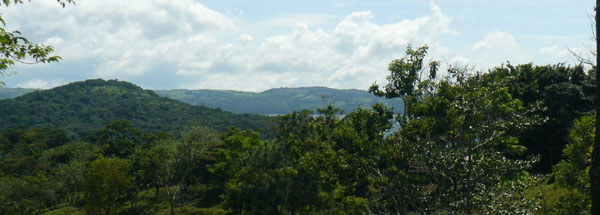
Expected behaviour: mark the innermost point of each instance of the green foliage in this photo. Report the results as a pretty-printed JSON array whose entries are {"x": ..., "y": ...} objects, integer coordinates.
[
  {"x": 228, "y": 159},
  {"x": 460, "y": 131},
  {"x": 81, "y": 108},
  {"x": 7, "y": 93},
  {"x": 564, "y": 94},
  {"x": 187, "y": 160},
  {"x": 107, "y": 186},
  {"x": 66, "y": 211},
  {"x": 316, "y": 165},
  {"x": 25, "y": 195},
  {"x": 270, "y": 102},
  {"x": 572, "y": 173},
  {"x": 149, "y": 167},
  {"x": 406, "y": 76},
  {"x": 118, "y": 139},
  {"x": 24, "y": 148},
  {"x": 40, "y": 165},
  {"x": 278, "y": 101},
  {"x": 457, "y": 150}
]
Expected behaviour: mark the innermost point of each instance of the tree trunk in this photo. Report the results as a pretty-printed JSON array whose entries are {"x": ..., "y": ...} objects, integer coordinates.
[
  {"x": 594, "y": 169},
  {"x": 172, "y": 205}
]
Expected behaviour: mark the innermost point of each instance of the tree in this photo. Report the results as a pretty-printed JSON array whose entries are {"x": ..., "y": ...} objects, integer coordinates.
[
  {"x": 595, "y": 167},
  {"x": 148, "y": 166},
  {"x": 187, "y": 157},
  {"x": 572, "y": 172},
  {"x": 316, "y": 165},
  {"x": 460, "y": 135},
  {"x": 117, "y": 139},
  {"x": 228, "y": 157},
  {"x": 565, "y": 93},
  {"x": 107, "y": 186},
  {"x": 25, "y": 146},
  {"x": 26, "y": 195},
  {"x": 463, "y": 137},
  {"x": 406, "y": 75},
  {"x": 16, "y": 48}
]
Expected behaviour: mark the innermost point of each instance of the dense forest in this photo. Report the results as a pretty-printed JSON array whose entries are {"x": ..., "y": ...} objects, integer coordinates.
[
  {"x": 512, "y": 140},
  {"x": 81, "y": 108},
  {"x": 280, "y": 100},
  {"x": 271, "y": 102},
  {"x": 7, "y": 93}
]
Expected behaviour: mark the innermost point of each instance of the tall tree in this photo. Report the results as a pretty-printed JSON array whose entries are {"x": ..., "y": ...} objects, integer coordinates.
[
  {"x": 107, "y": 186},
  {"x": 595, "y": 167},
  {"x": 406, "y": 76},
  {"x": 564, "y": 94},
  {"x": 117, "y": 139},
  {"x": 187, "y": 158},
  {"x": 571, "y": 173},
  {"x": 460, "y": 132}
]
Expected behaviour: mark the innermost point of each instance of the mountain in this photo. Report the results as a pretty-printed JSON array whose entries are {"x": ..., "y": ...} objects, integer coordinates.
[
  {"x": 6, "y": 93},
  {"x": 84, "y": 107},
  {"x": 273, "y": 101},
  {"x": 280, "y": 100}
]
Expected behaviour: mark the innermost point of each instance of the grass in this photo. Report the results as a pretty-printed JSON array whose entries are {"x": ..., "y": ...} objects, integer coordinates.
[
  {"x": 149, "y": 204},
  {"x": 547, "y": 194},
  {"x": 67, "y": 210}
]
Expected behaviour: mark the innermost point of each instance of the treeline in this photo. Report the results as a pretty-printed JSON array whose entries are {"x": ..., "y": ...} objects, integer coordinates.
[
  {"x": 81, "y": 108},
  {"x": 6, "y": 93},
  {"x": 515, "y": 140},
  {"x": 280, "y": 100}
]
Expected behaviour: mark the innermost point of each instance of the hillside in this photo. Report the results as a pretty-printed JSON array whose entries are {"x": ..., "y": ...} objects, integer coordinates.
[
  {"x": 280, "y": 100},
  {"x": 6, "y": 93},
  {"x": 273, "y": 101},
  {"x": 83, "y": 107}
]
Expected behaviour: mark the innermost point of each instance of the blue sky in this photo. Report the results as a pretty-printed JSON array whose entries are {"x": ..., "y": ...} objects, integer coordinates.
[{"x": 261, "y": 44}]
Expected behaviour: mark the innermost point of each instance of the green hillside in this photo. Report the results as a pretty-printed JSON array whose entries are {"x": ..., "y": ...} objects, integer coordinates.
[
  {"x": 6, "y": 93},
  {"x": 83, "y": 107},
  {"x": 273, "y": 101},
  {"x": 280, "y": 100}
]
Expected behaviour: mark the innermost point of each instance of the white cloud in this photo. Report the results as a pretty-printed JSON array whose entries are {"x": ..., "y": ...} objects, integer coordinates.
[
  {"x": 496, "y": 48},
  {"x": 245, "y": 38},
  {"x": 481, "y": 46},
  {"x": 289, "y": 20},
  {"x": 193, "y": 46},
  {"x": 40, "y": 84},
  {"x": 126, "y": 38},
  {"x": 556, "y": 52}
]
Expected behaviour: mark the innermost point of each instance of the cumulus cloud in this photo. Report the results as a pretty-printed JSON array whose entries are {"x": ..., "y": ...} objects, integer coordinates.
[
  {"x": 40, "y": 84},
  {"x": 557, "y": 53},
  {"x": 494, "y": 49},
  {"x": 187, "y": 45},
  {"x": 352, "y": 55}
]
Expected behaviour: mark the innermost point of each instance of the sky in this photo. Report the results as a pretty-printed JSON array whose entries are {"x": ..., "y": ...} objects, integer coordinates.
[{"x": 261, "y": 44}]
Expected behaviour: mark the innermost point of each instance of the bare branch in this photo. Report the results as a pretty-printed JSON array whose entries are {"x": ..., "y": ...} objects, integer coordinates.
[{"x": 581, "y": 59}]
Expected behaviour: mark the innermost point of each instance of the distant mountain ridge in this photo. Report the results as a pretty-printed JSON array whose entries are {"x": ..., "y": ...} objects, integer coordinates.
[
  {"x": 86, "y": 106},
  {"x": 7, "y": 93},
  {"x": 280, "y": 100},
  {"x": 272, "y": 101}
]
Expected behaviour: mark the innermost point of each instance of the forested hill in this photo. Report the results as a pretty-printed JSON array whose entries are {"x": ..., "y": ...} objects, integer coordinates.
[
  {"x": 6, "y": 93},
  {"x": 273, "y": 101},
  {"x": 83, "y": 107},
  {"x": 280, "y": 100}
]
